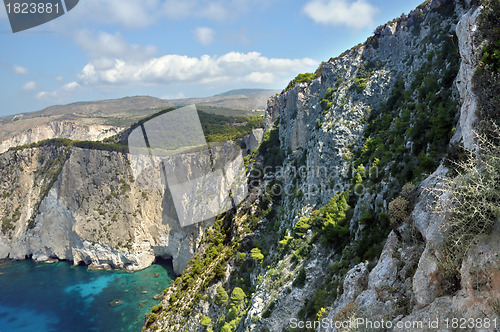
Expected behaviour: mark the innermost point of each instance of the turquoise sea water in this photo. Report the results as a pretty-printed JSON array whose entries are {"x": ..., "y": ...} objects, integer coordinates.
[{"x": 60, "y": 297}]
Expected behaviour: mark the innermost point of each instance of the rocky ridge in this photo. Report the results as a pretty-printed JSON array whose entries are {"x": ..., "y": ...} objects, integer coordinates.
[
  {"x": 59, "y": 129},
  {"x": 324, "y": 129},
  {"x": 89, "y": 206}
]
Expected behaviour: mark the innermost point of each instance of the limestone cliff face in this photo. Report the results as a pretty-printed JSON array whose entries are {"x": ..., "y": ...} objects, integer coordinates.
[
  {"x": 425, "y": 287},
  {"x": 322, "y": 125},
  {"x": 59, "y": 129},
  {"x": 88, "y": 206}
]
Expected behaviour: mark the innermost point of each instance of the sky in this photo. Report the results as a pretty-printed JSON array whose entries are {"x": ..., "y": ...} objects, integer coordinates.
[{"x": 104, "y": 49}]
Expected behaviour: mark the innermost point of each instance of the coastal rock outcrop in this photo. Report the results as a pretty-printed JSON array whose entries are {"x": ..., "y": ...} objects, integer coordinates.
[{"x": 88, "y": 206}]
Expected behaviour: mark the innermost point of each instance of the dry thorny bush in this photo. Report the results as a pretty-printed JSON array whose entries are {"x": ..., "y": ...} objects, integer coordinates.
[{"x": 473, "y": 206}]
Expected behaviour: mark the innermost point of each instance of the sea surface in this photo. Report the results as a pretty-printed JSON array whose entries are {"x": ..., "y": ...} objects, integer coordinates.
[{"x": 60, "y": 297}]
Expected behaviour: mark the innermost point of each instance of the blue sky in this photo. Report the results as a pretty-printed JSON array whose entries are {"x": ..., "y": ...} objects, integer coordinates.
[{"x": 106, "y": 49}]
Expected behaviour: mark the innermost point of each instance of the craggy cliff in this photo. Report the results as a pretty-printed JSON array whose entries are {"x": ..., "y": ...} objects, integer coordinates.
[
  {"x": 372, "y": 195},
  {"x": 86, "y": 205},
  {"x": 59, "y": 129}
]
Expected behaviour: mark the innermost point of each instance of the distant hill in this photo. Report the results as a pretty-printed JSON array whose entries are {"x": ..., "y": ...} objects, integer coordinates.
[
  {"x": 247, "y": 92},
  {"x": 123, "y": 112},
  {"x": 242, "y": 99}
]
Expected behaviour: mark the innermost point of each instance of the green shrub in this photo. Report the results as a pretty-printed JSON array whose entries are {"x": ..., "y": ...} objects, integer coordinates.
[
  {"x": 222, "y": 296},
  {"x": 360, "y": 84},
  {"x": 7, "y": 225},
  {"x": 257, "y": 255},
  {"x": 151, "y": 318},
  {"x": 205, "y": 321},
  {"x": 240, "y": 257},
  {"x": 486, "y": 80},
  {"x": 302, "y": 78},
  {"x": 302, "y": 226},
  {"x": 267, "y": 312},
  {"x": 270, "y": 149},
  {"x": 237, "y": 297},
  {"x": 326, "y": 105},
  {"x": 489, "y": 24},
  {"x": 326, "y": 102},
  {"x": 220, "y": 269},
  {"x": 333, "y": 218},
  {"x": 319, "y": 123},
  {"x": 314, "y": 304},
  {"x": 157, "y": 308},
  {"x": 300, "y": 280}
]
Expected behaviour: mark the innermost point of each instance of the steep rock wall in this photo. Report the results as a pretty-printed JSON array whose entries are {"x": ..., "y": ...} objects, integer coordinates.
[
  {"x": 397, "y": 65},
  {"x": 88, "y": 206}
]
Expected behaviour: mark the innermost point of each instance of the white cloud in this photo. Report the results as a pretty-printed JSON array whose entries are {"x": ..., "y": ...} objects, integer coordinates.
[
  {"x": 180, "y": 95},
  {"x": 105, "y": 45},
  {"x": 144, "y": 13},
  {"x": 178, "y": 9},
  {"x": 218, "y": 10},
  {"x": 355, "y": 14},
  {"x": 129, "y": 13},
  {"x": 176, "y": 70},
  {"x": 204, "y": 35},
  {"x": 61, "y": 92},
  {"x": 259, "y": 77},
  {"x": 30, "y": 86},
  {"x": 171, "y": 69},
  {"x": 20, "y": 70}
]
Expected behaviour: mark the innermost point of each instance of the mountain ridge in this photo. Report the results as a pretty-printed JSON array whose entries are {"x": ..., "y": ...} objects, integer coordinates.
[{"x": 97, "y": 120}]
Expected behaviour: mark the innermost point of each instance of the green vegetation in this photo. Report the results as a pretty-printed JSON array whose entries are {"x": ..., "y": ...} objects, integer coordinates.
[
  {"x": 205, "y": 321},
  {"x": 237, "y": 297},
  {"x": 326, "y": 102},
  {"x": 67, "y": 143},
  {"x": 486, "y": 80},
  {"x": 302, "y": 78},
  {"x": 157, "y": 308},
  {"x": 267, "y": 312},
  {"x": 270, "y": 148},
  {"x": 235, "y": 313},
  {"x": 406, "y": 136},
  {"x": 412, "y": 129},
  {"x": 319, "y": 123},
  {"x": 151, "y": 319},
  {"x": 330, "y": 221},
  {"x": 302, "y": 226},
  {"x": 359, "y": 84},
  {"x": 219, "y": 128},
  {"x": 300, "y": 280},
  {"x": 221, "y": 110},
  {"x": 7, "y": 225},
  {"x": 222, "y": 296},
  {"x": 222, "y": 243},
  {"x": 257, "y": 255},
  {"x": 365, "y": 71},
  {"x": 489, "y": 24}
]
